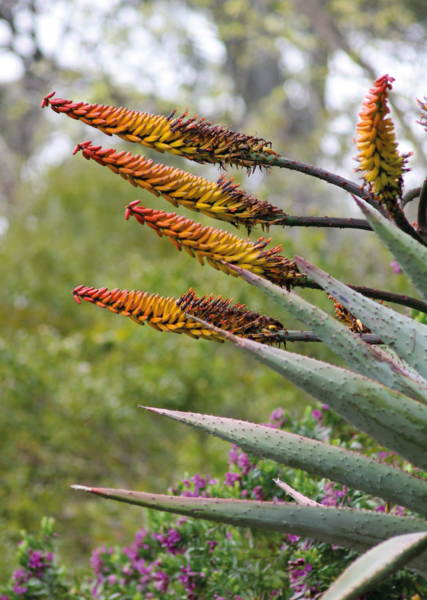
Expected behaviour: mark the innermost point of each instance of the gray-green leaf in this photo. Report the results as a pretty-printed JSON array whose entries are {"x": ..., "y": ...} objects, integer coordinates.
[
  {"x": 361, "y": 357},
  {"x": 376, "y": 565},
  {"x": 355, "y": 529},
  {"x": 332, "y": 462},
  {"x": 404, "y": 335},
  {"x": 393, "y": 419},
  {"x": 411, "y": 256}
]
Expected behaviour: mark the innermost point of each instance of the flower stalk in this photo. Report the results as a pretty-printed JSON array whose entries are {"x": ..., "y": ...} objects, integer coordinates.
[
  {"x": 172, "y": 315},
  {"x": 381, "y": 165},
  {"x": 198, "y": 140},
  {"x": 222, "y": 199},
  {"x": 219, "y": 247}
]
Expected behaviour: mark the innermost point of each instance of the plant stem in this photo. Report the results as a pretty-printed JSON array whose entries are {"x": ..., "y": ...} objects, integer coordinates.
[
  {"x": 410, "y": 195},
  {"x": 371, "y": 293},
  {"x": 340, "y": 223},
  {"x": 310, "y": 336},
  {"x": 269, "y": 160}
]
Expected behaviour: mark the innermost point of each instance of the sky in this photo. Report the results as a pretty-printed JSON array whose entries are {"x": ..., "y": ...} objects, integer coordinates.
[{"x": 152, "y": 62}]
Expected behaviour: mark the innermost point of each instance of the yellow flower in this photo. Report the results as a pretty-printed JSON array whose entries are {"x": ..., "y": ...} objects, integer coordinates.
[
  {"x": 381, "y": 164},
  {"x": 197, "y": 140},
  {"x": 218, "y": 247},
  {"x": 169, "y": 314},
  {"x": 222, "y": 199}
]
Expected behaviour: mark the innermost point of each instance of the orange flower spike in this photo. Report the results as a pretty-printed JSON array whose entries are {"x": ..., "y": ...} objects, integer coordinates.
[
  {"x": 381, "y": 164},
  {"x": 200, "y": 141},
  {"x": 221, "y": 200},
  {"x": 169, "y": 314},
  {"x": 219, "y": 247}
]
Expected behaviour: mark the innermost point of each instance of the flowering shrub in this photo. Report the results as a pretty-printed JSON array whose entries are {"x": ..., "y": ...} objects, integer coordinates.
[{"x": 190, "y": 559}]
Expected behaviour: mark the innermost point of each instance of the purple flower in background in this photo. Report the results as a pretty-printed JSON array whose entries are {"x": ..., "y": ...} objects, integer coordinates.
[
  {"x": 171, "y": 542},
  {"x": 188, "y": 578},
  {"x": 231, "y": 478},
  {"x": 232, "y": 456},
  {"x": 293, "y": 539},
  {"x": 317, "y": 414},
  {"x": 257, "y": 493},
  {"x": 332, "y": 493},
  {"x": 399, "y": 511},
  {"x": 36, "y": 560},
  {"x": 380, "y": 509},
  {"x": 131, "y": 552},
  {"x": 96, "y": 561},
  {"x": 4, "y": 597},
  {"x": 276, "y": 414},
  {"x": 112, "y": 579},
  {"x": 213, "y": 481},
  {"x": 228, "y": 535},
  {"x": 19, "y": 575},
  {"x": 19, "y": 590},
  {"x": 396, "y": 267},
  {"x": 140, "y": 535},
  {"x": 244, "y": 494},
  {"x": 198, "y": 481},
  {"x": 325, "y": 407},
  {"x": 186, "y": 482},
  {"x": 161, "y": 581},
  {"x": 298, "y": 572},
  {"x": 212, "y": 545},
  {"x": 243, "y": 461}
]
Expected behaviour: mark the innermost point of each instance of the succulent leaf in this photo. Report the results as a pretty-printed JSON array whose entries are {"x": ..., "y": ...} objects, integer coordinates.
[
  {"x": 376, "y": 565},
  {"x": 411, "y": 256},
  {"x": 332, "y": 462},
  {"x": 355, "y": 529},
  {"x": 393, "y": 419},
  {"x": 360, "y": 357},
  {"x": 404, "y": 335}
]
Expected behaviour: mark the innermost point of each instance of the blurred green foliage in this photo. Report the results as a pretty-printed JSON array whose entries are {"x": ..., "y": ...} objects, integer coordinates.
[{"x": 72, "y": 377}]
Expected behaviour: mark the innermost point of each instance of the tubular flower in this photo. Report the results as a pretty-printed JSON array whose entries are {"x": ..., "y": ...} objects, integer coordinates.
[
  {"x": 200, "y": 141},
  {"x": 355, "y": 325},
  {"x": 381, "y": 164},
  {"x": 220, "y": 200},
  {"x": 170, "y": 314},
  {"x": 219, "y": 247}
]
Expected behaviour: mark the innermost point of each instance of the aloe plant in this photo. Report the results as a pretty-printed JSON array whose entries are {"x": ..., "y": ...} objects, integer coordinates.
[{"x": 383, "y": 392}]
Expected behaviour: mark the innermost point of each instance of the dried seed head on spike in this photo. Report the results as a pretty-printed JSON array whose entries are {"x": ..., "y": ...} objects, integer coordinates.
[
  {"x": 218, "y": 247},
  {"x": 197, "y": 140},
  {"x": 169, "y": 314},
  {"x": 380, "y": 163},
  {"x": 222, "y": 200},
  {"x": 342, "y": 314}
]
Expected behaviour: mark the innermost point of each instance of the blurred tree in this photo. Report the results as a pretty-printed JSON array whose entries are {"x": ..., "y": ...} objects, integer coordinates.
[{"x": 72, "y": 376}]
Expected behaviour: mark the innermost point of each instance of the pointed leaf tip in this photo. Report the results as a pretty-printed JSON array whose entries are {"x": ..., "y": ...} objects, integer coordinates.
[{"x": 83, "y": 488}]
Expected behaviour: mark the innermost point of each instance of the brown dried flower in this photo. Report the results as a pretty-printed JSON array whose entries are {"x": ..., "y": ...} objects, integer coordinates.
[{"x": 169, "y": 314}]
